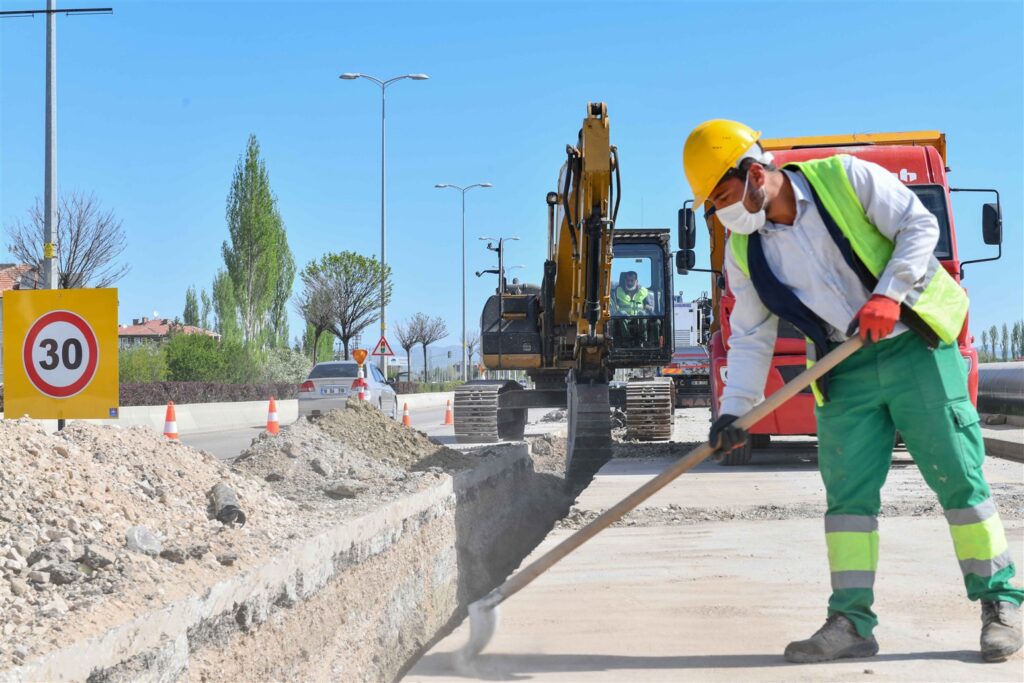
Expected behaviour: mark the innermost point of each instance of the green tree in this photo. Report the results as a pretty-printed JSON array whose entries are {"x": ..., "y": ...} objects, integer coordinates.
[
  {"x": 194, "y": 358},
  {"x": 190, "y": 316},
  {"x": 204, "y": 315},
  {"x": 142, "y": 363},
  {"x": 1017, "y": 339},
  {"x": 324, "y": 348},
  {"x": 355, "y": 283},
  {"x": 993, "y": 336},
  {"x": 278, "y": 322},
  {"x": 984, "y": 344},
  {"x": 252, "y": 255},
  {"x": 1006, "y": 342},
  {"x": 225, "y": 310},
  {"x": 316, "y": 305}
]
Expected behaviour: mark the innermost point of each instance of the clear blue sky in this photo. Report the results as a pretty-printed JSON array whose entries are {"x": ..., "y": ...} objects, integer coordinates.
[{"x": 156, "y": 102}]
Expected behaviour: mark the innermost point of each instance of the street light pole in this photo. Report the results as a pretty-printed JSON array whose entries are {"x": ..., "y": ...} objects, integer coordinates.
[
  {"x": 383, "y": 84},
  {"x": 463, "y": 191}
]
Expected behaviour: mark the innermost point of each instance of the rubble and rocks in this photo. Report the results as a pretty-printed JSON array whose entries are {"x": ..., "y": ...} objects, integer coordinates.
[
  {"x": 139, "y": 539},
  {"x": 100, "y": 524},
  {"x": 78, "y": 532}
]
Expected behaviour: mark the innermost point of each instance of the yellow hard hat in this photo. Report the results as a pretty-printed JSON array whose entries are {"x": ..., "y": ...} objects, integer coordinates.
[{"x": 712, "y": 149}]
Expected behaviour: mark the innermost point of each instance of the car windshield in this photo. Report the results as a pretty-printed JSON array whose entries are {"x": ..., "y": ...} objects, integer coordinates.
[
  {"x": 934, "y": 199},
  {"x": 333, "y": 370}
]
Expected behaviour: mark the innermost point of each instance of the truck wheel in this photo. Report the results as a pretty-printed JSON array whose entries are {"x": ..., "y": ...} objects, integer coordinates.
[{"x": 740, "y": 456}]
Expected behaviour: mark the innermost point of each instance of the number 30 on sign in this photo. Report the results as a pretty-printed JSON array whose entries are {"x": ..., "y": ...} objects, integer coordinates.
[{"x": 60, "y": 353}]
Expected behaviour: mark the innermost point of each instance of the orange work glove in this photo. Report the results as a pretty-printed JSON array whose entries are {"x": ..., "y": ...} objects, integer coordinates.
[{"x": 877, "y": 318}]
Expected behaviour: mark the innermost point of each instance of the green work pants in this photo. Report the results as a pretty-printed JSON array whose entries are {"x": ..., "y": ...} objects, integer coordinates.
[{"x": 901, "y": 384}]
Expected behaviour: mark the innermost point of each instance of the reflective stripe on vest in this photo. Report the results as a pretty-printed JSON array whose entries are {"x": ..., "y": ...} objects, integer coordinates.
[
  {"x": 630, "y": 304},
  {"x": 979, "y": 539},
  {"x": 941, "y": 303},
  {"x": 852, "y": 542}
]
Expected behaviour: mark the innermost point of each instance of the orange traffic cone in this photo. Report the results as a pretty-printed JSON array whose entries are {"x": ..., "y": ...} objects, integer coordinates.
[
  {"x": 273, "y": 424},
  {"x": 170, "y": 422},
  {"x": 448, "y": 417},
  {"x": 405, "y": 416}
]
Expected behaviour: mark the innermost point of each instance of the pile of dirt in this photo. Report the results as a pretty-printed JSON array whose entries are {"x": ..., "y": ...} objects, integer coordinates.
[
  {"x": 100, "y": 523},
  {"x": 309, "y": 466},
  {"x": 379, "y": 437}
]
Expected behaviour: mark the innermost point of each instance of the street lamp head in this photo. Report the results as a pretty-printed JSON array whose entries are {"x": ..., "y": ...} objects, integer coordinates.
[
  {"x": 349, "y": 76},
  {"x": 419, "y": 77},
  {"x": 486, "y": 185},
  {"x": 441, "y": 186},
  {"x": 486, "y": 239}
]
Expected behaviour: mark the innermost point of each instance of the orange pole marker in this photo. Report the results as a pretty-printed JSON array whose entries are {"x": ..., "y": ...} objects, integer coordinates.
[
  {"x": 405, "y": 416},
  {"x": 170, "y": 422},
  {"x": 449, "y": 419},
  {"x": 273, "y": 424}
]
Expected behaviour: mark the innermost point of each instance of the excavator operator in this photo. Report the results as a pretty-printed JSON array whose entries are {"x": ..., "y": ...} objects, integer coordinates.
[
  {"x": 832, "y": 245},
  {"x": 629, "y": 298}
]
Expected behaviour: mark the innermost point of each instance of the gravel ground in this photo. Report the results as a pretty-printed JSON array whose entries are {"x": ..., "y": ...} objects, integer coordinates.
[{"x": 99, "y": 524}]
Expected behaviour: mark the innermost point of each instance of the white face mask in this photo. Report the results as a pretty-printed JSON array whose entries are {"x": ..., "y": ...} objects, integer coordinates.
[{"x": 737, "y": 219}]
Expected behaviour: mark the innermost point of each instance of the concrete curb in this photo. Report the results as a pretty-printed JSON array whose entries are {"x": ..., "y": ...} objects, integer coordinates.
[{"x": 229, "y": 631}]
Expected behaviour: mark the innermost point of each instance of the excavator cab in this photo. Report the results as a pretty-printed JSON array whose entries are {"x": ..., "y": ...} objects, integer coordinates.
[{"x": 639, "y": 326}]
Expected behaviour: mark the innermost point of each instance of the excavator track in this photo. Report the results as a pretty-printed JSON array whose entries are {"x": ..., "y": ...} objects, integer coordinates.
[
  {"x": 478, "y": 418},
  {"x": 650, "y": 409}
]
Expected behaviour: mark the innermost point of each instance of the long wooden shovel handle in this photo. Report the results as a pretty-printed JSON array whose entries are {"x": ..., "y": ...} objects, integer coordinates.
[{"x": 520, "y": 580}]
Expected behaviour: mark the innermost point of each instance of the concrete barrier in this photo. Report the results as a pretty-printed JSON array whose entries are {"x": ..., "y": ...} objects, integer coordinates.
[
  {"x": 202, "y": 417},
  {"x": 358, "y": 602}
]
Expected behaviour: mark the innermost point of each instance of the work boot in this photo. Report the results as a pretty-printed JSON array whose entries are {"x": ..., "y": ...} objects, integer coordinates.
[
  {"x": 837, "y": 639},
  {"x": 1000, "y": 630}
]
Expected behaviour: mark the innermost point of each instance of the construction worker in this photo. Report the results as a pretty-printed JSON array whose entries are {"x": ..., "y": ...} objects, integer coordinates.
[
  {"x": 835, "y": 245},
  {"x": 629, "y": 298}
]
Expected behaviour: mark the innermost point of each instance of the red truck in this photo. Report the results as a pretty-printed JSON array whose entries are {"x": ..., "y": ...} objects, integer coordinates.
[{"x": 919, "y": 160}]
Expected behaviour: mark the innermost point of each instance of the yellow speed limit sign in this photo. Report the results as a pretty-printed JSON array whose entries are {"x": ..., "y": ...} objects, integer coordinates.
[{"x": 60, "y": 353}]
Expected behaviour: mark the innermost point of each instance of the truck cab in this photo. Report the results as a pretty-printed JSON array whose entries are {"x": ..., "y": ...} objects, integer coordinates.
[{"x": 918, "y": 160}]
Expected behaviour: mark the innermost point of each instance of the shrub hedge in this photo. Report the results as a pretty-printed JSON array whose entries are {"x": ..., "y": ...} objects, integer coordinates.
[{"x": 159, "y": 393}]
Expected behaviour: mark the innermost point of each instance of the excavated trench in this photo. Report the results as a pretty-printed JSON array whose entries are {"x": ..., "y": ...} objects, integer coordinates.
[{"x": 355, "y": 590}]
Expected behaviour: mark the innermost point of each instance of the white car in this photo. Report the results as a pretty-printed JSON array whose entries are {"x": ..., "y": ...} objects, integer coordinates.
[{"x": 330, "y": 385}]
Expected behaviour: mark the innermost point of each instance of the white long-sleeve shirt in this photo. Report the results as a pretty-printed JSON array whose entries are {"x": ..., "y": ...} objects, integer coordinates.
[{"x": 804, "y": 258}]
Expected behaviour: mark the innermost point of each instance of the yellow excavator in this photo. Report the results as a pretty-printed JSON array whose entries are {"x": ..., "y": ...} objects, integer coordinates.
[{"x": 605, "y": 304}]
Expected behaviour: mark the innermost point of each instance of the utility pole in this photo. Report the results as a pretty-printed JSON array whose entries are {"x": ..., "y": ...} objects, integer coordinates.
[{"x": 51, "y": 269}]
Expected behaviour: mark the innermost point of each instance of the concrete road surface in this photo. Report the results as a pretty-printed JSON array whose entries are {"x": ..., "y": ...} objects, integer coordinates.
[{"x": 711, "y": 579}]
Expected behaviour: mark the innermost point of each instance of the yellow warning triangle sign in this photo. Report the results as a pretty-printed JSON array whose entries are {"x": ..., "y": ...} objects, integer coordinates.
[{"x": 382, "y": 348}]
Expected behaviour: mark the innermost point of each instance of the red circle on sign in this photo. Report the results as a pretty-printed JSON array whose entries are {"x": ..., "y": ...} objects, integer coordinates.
[{"x": 90, "y": 367}]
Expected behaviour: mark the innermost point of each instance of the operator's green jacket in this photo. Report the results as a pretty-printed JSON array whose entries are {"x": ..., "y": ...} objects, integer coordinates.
[{"x": 624, "y": 303}]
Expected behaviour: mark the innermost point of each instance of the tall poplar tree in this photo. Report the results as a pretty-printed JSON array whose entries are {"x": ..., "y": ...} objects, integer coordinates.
[
  {"x": 190, "y": 316},
  {"x": 257, "y": 259}
]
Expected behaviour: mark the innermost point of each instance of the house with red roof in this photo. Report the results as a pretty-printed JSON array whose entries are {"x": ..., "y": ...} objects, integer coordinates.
[{"x": 155, "y": 330}]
